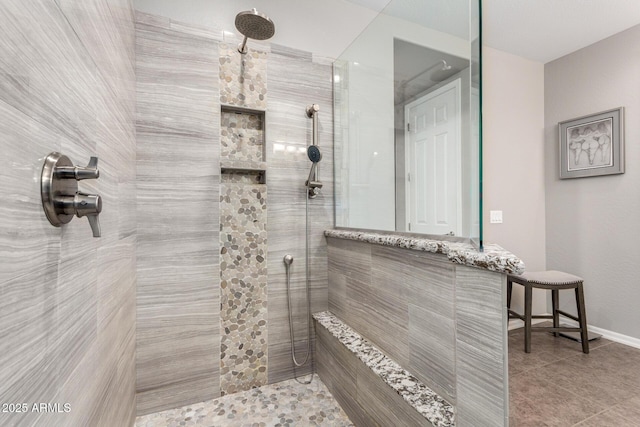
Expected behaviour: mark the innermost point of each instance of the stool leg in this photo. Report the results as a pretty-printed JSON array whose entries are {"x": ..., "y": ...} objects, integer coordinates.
[
  {"x": 509, "y": 292},
  {"x": 556, "y": 306},
  {"x": 527, "y": 318},
  {"x": 582, "y": 318}
]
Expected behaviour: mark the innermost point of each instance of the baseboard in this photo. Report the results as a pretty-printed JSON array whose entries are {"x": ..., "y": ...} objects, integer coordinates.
[{"x": 610, "y": 335}]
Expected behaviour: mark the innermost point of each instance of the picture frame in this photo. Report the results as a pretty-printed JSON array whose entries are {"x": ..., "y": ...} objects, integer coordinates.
[{"x": 592, "y": 145}]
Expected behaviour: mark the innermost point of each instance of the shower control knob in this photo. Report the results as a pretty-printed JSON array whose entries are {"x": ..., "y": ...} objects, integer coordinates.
[
  {"x": 61, "y": 199},
  {"x": 78, "y": 172},
  {"x": 87, "y": 204},
  {"x": 82, "y": 204}
]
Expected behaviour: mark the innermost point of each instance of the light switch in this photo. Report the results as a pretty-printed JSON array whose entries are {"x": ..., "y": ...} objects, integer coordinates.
[{"x": 495, "y": 217}]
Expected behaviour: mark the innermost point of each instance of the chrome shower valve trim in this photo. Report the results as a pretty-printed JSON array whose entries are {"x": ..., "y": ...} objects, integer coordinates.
[{"x": 61, "y": 199}]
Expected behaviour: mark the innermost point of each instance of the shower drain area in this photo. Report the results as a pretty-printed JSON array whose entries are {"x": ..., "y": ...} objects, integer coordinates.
[{"x": 287, "y": 403}]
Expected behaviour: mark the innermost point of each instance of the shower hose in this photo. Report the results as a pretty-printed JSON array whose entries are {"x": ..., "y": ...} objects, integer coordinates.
[{"x": 308, "y": 294}]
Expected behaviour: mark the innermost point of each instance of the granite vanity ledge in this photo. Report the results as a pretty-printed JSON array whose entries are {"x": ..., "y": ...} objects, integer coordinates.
[
  {"x": 428, "y": 404},
  {"x": 494, "y": 258}
]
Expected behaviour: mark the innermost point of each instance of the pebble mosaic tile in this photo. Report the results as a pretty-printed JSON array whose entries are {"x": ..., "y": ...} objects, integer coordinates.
[
  {"x": 243, "y": 286},
  {"x": 241, "y": 136},
  {"x": 285, "y": 404},
  {"x": 243, "y": 78}
]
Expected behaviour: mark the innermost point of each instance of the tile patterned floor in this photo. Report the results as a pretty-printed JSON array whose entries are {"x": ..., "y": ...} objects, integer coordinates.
[
  {"x": 554, "y": 385},
  {"x": 557, "y": 385},
  {"x": 288, "y": 403}
]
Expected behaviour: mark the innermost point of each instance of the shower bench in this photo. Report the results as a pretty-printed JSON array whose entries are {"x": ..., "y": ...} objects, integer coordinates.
[
  {"x": 406, "y": 401},
  {"x": 434, "y": 308}
]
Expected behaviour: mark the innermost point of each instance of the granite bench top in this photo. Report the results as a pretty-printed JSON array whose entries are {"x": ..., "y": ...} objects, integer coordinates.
[
  {"x": 494, "y": 258},
  {"x": 429, "y": 404}
]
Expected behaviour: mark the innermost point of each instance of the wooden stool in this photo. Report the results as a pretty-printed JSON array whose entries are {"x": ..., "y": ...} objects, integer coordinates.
[{"x": 553, "y": 280}]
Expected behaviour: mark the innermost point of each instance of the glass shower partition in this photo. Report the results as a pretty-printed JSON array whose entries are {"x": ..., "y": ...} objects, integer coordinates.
[{"x": 407, "y": 96}]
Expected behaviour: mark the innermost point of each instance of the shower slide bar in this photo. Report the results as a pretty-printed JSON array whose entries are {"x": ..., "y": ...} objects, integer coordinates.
[{"x": 313, "y": 183}]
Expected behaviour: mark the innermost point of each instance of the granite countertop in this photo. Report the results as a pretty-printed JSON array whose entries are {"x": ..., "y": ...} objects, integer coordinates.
[
  {"x": 494, "y": 258},
  {"x": 429, "y": 404}
]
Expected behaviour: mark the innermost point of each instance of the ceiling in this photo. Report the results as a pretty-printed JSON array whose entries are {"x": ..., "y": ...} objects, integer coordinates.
[
  {"x": 544, "y": 30},
  {"x": 540, "y": 30}
]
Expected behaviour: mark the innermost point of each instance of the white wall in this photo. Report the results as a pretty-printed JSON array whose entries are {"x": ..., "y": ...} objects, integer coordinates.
[
  {"x": 593, "y": 224},
  {"x": 513, "y": 159}
]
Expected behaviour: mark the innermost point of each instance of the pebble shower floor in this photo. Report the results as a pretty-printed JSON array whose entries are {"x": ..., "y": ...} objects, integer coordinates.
[{"x": 287, "y": 403}]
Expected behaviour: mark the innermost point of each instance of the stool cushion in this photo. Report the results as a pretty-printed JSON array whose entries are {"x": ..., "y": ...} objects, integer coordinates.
[{"x": 548, "y": 278}]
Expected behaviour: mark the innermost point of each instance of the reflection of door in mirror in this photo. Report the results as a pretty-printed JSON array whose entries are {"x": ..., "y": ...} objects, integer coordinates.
[{"x": 433, "y": 137}]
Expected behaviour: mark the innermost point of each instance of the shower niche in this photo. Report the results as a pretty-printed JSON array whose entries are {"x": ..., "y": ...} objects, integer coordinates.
[{"x": 242, "y": 145}]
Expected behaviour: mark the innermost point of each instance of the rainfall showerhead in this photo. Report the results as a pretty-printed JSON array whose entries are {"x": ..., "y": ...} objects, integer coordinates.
[
  {"x": 442, "y": 73},
  {"x": 253, "y": 24}
]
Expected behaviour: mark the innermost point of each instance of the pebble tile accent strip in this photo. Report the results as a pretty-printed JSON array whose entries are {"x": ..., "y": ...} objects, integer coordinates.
[
  {"x": 494, "y": 258},
  {"x": 243, "y": 78},
  {"x": 241, "y": 137},
  {"x": 431, "y": 406},
  {"x": 287, "y": 403},
  {"x": 243, "y": 286}
]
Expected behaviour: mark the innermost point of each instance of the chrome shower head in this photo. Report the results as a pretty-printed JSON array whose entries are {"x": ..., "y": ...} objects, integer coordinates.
[
  {"x": 443, "y": 73},
  {"x": 253, "y": 24}
]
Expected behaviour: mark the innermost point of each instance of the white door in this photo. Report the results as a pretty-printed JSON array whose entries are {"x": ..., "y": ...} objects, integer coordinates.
[{"x": 433, "y": 162}]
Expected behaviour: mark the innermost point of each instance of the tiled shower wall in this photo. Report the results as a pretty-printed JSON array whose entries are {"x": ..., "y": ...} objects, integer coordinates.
[
  {"x": 178, "y": 301},
  {"x": 295, "y": 80},
  {"x": 67, "y": 311},
  {"x": 187, "y": 342}
]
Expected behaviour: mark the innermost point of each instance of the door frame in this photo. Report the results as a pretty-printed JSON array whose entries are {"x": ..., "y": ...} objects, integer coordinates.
[{"x": 456, "y": 84}]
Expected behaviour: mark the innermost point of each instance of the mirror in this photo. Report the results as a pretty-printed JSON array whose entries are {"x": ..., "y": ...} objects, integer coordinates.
[{"x": 407, "y": 142}]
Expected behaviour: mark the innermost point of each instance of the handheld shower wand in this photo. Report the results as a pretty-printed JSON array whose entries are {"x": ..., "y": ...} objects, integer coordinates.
[{"x": 313, "y": 183}]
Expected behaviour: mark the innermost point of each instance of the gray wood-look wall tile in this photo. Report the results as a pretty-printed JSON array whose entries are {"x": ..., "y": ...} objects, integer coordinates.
[
  {"x": 446, "y": 324},
  {"x": 383, "y": 403},
  {"x": 337, "y": 294},
  {"x": 481, "y": 348},
  {"x": 66, "y": 313},
  {"x": 423, "y": 286},
  {"x": 350, "y": 258},
  {"x": 336, "y": 365},
  {"x": 293, "y": 83},
  {"x": 280, "y": 366},
  {"x": 178, "y": 341},
  {"x": 428, "y": 279},
  {"x": 432, "y": 351}
]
